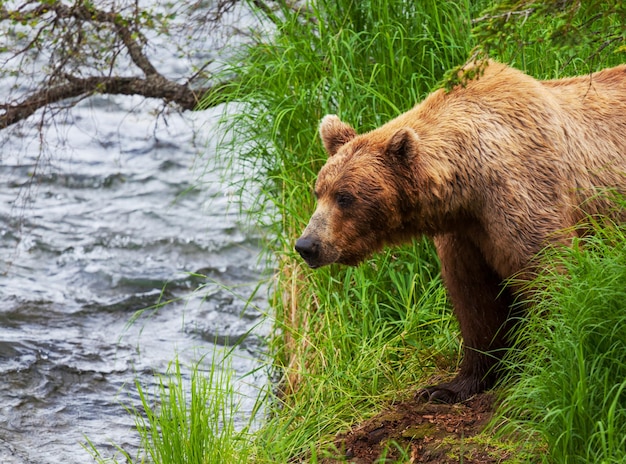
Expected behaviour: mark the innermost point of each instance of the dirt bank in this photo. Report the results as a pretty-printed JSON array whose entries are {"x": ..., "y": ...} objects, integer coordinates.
[{"x": 430, "y": 433}]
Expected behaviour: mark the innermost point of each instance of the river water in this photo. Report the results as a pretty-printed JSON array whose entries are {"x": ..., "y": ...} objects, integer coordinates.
[{"x": 121, "y": 209}]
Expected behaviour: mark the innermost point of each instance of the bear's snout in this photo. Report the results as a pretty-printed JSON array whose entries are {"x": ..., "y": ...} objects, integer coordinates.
[{"x": 309, "y": 249}]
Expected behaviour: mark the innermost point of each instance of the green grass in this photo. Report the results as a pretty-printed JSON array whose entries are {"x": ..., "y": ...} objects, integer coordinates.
[
  {"x": 569, "y": 372},
  {"x": 363, "y": 341},
  {"x": 347, "y": 341},
  {"x": 187, "y": 419}
]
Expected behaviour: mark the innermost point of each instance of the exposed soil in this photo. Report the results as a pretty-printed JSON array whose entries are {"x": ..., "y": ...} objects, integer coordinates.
[{"x": 429, "y": 433}]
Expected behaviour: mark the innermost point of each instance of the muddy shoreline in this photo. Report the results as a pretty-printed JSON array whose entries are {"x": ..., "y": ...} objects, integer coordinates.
[{"x": 429, "y": 432}]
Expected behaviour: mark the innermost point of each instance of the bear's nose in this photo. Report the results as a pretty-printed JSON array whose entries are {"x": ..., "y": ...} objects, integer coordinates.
[{"x": 308, "y": 249}]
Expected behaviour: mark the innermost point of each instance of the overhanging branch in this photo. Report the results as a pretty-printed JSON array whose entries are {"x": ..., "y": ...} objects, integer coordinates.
[{"x": 154, "y": 86}]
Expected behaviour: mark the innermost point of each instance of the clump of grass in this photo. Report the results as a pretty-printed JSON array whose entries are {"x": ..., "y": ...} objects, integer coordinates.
[
  {"x": 188, "y": 419},
  {"x": 569, "y": 386}
]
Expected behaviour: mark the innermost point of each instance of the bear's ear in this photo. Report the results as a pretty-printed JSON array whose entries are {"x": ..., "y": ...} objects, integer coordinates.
[
  {"x": 335, "y": 133},
  {"x": 403, "y": 143}
]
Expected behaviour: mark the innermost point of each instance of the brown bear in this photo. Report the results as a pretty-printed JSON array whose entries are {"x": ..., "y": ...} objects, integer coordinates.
[{"x": 493, "y": 171}]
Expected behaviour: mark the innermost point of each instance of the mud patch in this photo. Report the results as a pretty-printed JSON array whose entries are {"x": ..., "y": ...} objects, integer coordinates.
[{"x": 426, "y": 432}]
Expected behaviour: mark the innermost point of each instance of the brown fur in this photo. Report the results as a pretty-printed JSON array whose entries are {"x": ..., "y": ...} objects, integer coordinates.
[{"x": 493, "y": 171}]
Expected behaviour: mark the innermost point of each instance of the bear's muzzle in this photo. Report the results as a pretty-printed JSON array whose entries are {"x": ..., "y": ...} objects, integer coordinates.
[{"x": 309, "y": 249}]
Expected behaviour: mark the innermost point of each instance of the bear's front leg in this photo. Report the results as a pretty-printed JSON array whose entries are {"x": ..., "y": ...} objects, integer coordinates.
[{"x": 482, "y": 307}]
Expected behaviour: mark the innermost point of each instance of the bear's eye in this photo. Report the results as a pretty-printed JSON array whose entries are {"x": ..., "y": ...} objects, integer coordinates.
[{"x": 344, "y": 199}]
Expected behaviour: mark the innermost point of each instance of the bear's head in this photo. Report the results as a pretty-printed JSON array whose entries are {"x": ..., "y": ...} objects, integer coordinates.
[{"x": 362, "y": 193}]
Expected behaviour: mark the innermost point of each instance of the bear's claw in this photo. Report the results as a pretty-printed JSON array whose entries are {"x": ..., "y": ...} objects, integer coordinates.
[
  {"x": 457, "y": 390},
  {"x": 436, "y": 394}
]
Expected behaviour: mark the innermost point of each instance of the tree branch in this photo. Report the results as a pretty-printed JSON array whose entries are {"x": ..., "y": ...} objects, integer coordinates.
[
  {"x": 154, "y": 86},
  {"x": 77, "y": 44},
  {"x": 88, "y": 13},
  {"x": 507, "y": 15}
]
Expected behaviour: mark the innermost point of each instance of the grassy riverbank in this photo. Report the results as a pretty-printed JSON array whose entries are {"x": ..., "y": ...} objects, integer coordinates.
[{"x": 350, "y": 341}]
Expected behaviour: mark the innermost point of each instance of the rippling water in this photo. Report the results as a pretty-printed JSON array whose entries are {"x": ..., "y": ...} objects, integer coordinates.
[{"x": 118, "y": 214}]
